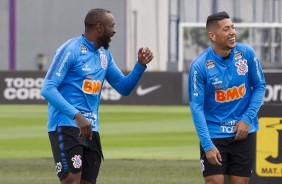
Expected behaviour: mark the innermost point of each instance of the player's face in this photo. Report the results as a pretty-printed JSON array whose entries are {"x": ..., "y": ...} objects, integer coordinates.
[
  {"x": 109, "y": 31},
  {"x": 225, "y": 35}
]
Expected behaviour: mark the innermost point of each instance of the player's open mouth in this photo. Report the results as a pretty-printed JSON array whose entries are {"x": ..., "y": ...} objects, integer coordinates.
[
  {"x": 231, "y": 39},
  {"x": 110, "y": 37}
]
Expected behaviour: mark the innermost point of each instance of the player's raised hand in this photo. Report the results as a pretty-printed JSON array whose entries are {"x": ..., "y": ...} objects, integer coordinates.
[
  {"x": 84, "y": 126},
  {"x": 145, "y": 56}
]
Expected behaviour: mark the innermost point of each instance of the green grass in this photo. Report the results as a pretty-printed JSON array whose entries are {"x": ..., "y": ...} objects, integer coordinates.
[
  {"x": 141, "y": 144},
  {"x": 40, "y": 171}
]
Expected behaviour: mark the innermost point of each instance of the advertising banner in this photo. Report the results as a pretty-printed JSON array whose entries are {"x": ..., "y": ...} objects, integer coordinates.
[
  {"x": 273, "y": 94},
  {"x": 268, "y": 161},
  {"x": 21, "y": 87},
  {"x": 154, "y": 88}
]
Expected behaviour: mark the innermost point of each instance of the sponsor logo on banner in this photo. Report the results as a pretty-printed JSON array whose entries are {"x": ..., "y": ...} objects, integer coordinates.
[
  {"x": 268, "y": 147},
  {"x": 273, "y": 93},
  {"x": 25, "y": 88},
  {"x": 21, "y": 88},
  {"x": 109, "y": 93},
  {"x": 143, "y": 91}
]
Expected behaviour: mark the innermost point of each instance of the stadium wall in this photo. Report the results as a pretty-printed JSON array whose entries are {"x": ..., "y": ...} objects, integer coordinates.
[{"x": 41, "y": 26}]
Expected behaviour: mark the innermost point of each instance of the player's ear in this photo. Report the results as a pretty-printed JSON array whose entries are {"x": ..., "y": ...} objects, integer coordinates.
[
  {"x": 211, "y": 36},
  {"x": 100, "y": 27}
]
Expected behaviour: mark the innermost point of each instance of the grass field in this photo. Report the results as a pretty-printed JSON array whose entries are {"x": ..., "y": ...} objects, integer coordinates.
[{"x": 141, "y": 144}]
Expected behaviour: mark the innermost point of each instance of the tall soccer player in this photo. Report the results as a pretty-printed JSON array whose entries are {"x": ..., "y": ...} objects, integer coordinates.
[
  {"x": 72, "y": 87},
  {"x": 226, "y": 90}
]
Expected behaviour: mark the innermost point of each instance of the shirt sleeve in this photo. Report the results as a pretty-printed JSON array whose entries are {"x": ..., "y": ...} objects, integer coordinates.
[
  {"x": 121, "y": 83},
  {"x": 258, "y": 84},
  {"x": 61, "y": 63},
  {"x": 196, "y": 93}
]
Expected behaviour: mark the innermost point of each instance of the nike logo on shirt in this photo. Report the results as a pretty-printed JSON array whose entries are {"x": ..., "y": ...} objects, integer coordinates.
[{"x": 143, "y": 91}]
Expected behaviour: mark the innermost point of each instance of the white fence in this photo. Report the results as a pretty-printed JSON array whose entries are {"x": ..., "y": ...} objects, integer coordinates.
[{"x": 265, "y": 38}]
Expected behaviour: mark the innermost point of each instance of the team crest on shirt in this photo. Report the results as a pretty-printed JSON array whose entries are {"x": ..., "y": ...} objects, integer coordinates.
[
  {"x": 238, "y": 55},
  {"x": 210, "y": 64},
  {"x": 83, "y": 49},
  {"x": 77, "y": 162},
  {"x": 242, "y": 67},
  {"x": 104, "y": 61},
  {"x": 103, "y": 57}
]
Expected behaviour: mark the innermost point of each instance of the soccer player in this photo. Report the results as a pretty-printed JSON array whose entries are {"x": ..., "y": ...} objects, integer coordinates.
[
  {"x": 226, "y": 90},
  {"x": 72, "y": 87}
]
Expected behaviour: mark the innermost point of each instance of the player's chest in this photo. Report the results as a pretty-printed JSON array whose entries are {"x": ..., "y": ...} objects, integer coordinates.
[
  {"x": 224, "y": 75},
  {"x": 94, "y": 64}
]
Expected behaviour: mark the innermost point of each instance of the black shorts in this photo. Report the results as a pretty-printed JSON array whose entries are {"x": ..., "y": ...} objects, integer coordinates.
[
  {"x": 237, "y": 157},
  {"x": 72, "y": 154}
]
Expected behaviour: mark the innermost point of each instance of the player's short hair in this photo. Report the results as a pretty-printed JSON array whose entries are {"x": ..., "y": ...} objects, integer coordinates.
[
  {"x": 213, "y": 19},
  {"x": 95, "y": 16}
]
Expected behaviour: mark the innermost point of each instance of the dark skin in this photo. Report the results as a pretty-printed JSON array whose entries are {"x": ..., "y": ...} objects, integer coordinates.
[
  {"x": 96, "y": 35},
  {"x": 105, "y": 31},
  {"x": 223, "y": 40},
  {"x": 101, "y": 35}
]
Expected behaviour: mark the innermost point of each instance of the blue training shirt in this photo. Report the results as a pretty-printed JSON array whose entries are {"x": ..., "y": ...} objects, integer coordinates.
[
  {"x": 74, "y": 82},
  {"x": 225, "y": 91}
]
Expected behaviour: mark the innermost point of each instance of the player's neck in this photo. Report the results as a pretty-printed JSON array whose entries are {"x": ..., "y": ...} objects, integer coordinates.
[
  {"x": 93, "y": 39},
  {"x": 222, "y": 52}
]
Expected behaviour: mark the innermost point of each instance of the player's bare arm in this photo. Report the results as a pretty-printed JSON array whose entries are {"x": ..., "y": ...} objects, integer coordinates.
[
  {"x": 145, "y": 56},
  {"x": 84, "y": 126}
]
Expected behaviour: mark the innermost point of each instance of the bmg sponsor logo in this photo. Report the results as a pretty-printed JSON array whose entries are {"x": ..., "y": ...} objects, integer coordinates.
[{"x": 269, "y": 148}]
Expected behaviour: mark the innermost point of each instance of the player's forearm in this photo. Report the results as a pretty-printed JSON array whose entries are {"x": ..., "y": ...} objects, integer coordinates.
[
  {"x": 201, "y": 126},
  {"x": 125, "y": 84},
  {"x": 255, "y": 103}
]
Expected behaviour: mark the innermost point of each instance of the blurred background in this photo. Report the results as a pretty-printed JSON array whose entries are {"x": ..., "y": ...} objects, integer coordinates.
[
  {"x": 147, "y": 138},
  {"x": 31, "y": 30}
]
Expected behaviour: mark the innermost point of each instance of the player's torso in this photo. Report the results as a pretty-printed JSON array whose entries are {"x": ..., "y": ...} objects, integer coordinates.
[
  {"x": 227, "y": 89},
  {"x": 83, "y": 82},
  {"x": 226, "y": 80}
]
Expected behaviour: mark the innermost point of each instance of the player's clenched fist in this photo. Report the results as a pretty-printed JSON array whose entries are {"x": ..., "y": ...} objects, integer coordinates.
[{"x": 145, "y": 56}]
